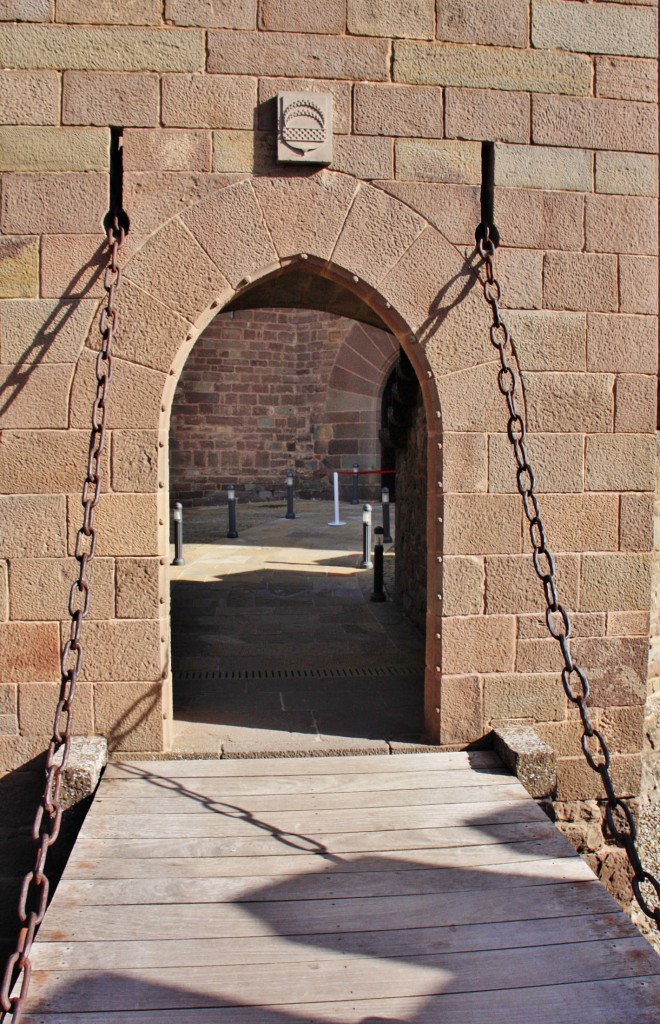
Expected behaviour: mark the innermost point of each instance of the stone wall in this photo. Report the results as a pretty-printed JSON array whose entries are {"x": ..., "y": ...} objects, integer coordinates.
[
  {"x": 410, "y": 566},
  {"x": 265, "y": 391},
  {"x": 567, "y": 92}
]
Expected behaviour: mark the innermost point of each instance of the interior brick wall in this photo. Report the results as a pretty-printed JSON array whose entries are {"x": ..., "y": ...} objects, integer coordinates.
[{"x": 265, "y": 391}]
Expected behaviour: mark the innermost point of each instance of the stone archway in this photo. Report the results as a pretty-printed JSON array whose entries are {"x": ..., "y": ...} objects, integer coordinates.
[{"x": 361, "y": 241}]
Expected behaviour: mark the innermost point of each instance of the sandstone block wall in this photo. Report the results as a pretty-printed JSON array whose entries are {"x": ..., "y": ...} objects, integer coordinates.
[
  {"x": 566, "y": 91},
  {"x": 266, "y": 391}
]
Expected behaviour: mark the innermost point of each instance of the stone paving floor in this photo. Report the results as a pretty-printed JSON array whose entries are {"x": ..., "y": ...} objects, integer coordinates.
[{"x": 276, "y": 645}]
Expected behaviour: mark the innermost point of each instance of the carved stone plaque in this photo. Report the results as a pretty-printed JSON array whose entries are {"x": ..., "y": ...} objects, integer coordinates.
[{"x": 304, "y": 127}]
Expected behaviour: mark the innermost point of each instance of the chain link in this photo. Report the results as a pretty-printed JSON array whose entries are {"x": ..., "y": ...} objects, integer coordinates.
[
  {"x": 618, "y": 816},
  {"x": 33, "y": 897}
]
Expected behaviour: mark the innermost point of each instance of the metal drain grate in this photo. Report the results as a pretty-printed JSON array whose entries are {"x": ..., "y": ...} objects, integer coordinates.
[{"x": 296, "y": 673}]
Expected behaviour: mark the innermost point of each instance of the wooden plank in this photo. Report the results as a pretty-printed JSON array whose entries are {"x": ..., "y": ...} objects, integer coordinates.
[
  {"x": 616, "y": 1001},
  {"x": 325, "y": 885},
  {"x": 296, "y": 824},
  {"x": 308, "y": 917},
  {"x": 338, "y": 843},
  {"x": 82, "y": 866},
  {"x": 328, "y": 980},
  {"x": 361, "y": 764},
  {"x": 262, "y": 785},
  {"x": 191, "y": 802},
  {"x": 146, "y": 952}
]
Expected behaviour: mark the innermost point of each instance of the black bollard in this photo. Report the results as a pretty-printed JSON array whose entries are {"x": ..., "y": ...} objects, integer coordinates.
[
  {"x": 354, "y": 495},
  {"x": 379, "y": 589},
  {"x": 177, "y": 516},
  {"x": 366, "y": 562},
  {"x": 232, "y": 533},
  {"x": 385, "y": 498},
  {"x": 290, "y": 514}
]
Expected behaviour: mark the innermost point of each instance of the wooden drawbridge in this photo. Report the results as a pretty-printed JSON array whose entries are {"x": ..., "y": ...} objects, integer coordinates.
[{"x": 419, "y": 888}]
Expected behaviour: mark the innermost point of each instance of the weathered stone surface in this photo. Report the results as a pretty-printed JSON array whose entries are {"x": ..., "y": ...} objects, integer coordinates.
[
  {"x": 461, "y": 714},
  {"x": 108, "y": 12},
  {"x": 549, "y": 167},
  {"x": 19, "y": 267},
  {"x": 30, "y": 148},
  {"x": 151, "y": 333},
  {"x": 43, "y": 331},
  {"x": 487, "y": 113},
  {"x": 152, "y": 197},
  {"x": 130, "y": 715},
  {"x": 520, "y": 272},
  {"x": 620, "y": 462},
  {"x": 628, "y": 174},
  {"x": 579, "y": 522},
  {"x": 513, "y": 586},
  {"x": 441, "y": 160},
  {"x": 122, "y": 650},
  {"x": 127, "y": 524},
  {"x": 45, "y": 461},
  {"x": 137, "y": 394},
  {"x": 93, "y": 97},
  {"x": 478, "y": 643},
  {"x": 238, "y": 152},
  {"x": 71, "y": 266},
  {"x": 24, "y": 404},
  {"x": 212, "y": 13},
  {"x": 538, "y": 655},
  {"x": 616, "y": 668},
  {"x": 52, "y": 203},
  {"x": 166, "y": 149},
  {"x": 87, "y": 758},
  {"x": 569, "y": 402},
  {"x": 208, "y": 101},
  {"x": 534, "y": 627},
  {"x": 371, "y": 253},
  {"x": 479, "y": 524},
  {"x": 281, "y": 53},
  {"x": 39, "y": 588},
  {"x": 4, "y": 604},
  {"x": 297, "y": 210},
  {"x": 29, "y": 651},
  {"x": 494, "y": 22},
  {"x": 101, "y": 49},
  {"x": 532, "y": 760},
  {"x": 135, "y": 460},
  {"x": 398, "y": 110},
  {"x": 464, "y": 462},
  {"x": 542, "y": 220},
  {"x": 619, "y": 344},
  {"x": 628, "y": 624},
  {"x": 461, "y": 411},
  {"x": 626, "y": 224},
  {"x": 491, "y": 67},
  {"x": 593, "y": 123},
  {"x": 232, "y": 230},
  {"x": 29, "y": 97},
  {"x": 623, "y": 728},
  {"x": 577, "y": 781},
  {"x": 638, "y": 283},
  {"x": 620, "y": 582},
  {"x": 341, "y": 93},
  {"x": 32, "y": 526},
  {"x": 414, "y": 19},
  {"x": 140, "y": 584},
  {"x": 629, "y": 31},
  {"x": 462, "y": 586},
  {"x": 176, "y": 270},
  {"x": 26, "y": 10},
  {"x": 626, "y": 78},
  {"x": 299, "y": 16},
  {"x": 8, "y": 698},
  {"x": 363, "y": 156},
  {"x": 636, "y": 522},
  {"x": 453, "y": 209},
  {"x": 580, "y": 281},
  {"x": 36, "y": 708},
  {"x": 557, "y": 461},
  {"x": 539, "y": 697}
]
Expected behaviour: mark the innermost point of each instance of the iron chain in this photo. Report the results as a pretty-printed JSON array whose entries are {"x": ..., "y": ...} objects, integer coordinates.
[
  {"x": 33, "y": 897},
  {"x": 618, "y": 816}
]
